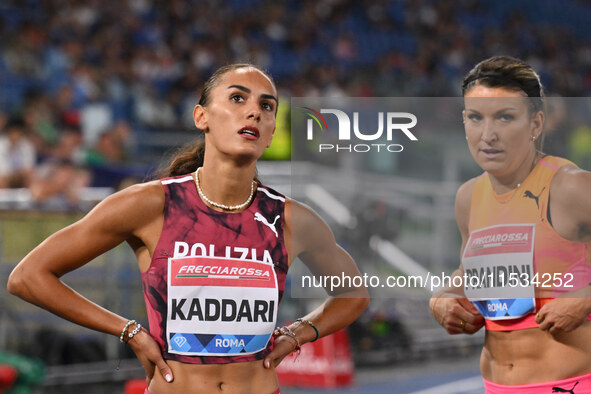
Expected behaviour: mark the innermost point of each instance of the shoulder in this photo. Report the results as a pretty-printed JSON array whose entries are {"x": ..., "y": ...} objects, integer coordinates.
[
  {"x": 570, "y": 185},
  {"x": 298, "y": 215},
  {"x": 141, "y": 196},
  {"x": 570, "y": 206},
  {"x": 306, "y": 228},
  {"x": 131, "y": 207},
  {"x": 567, "y": 177}
]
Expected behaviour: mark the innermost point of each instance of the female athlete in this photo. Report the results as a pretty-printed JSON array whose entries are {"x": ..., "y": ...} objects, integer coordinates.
[
  {"x": 526, "y": 227},
  {"x": 213, "y": 246}
]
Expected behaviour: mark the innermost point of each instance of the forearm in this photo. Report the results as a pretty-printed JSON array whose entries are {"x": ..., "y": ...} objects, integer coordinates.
[
  {"x": 47, "y": 291},
  {"x": 334, "y": 314}
]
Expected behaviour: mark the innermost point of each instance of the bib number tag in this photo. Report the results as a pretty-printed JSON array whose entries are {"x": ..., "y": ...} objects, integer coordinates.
[
  {"x": 498, "y": 263},
  {"x": 220, "y": 306}
]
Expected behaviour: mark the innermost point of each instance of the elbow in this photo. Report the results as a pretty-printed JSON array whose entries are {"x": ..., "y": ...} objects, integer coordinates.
[
  {"x": 364, "y": 303},
  {"x": 362, "y": 299},
  {"x": 357, "y": 307},
  {"x": 16, "y": 284},
  {"x": 361, "y": 303}
]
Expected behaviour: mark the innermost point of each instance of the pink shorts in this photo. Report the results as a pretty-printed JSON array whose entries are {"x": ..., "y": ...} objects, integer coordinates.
[
  {"x": 278, "y": 391},
  {"x": 576, "y": 385}
]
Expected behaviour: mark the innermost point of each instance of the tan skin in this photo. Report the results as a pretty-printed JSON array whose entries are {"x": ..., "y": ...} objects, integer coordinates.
[
  {"x": 243, "y": 97},
  {"x": 499, "y": 132}
]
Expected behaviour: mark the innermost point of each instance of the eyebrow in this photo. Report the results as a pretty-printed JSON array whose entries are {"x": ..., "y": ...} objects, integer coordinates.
[
  {"x": 247, "y": 90},
  {"x": 500, "y": 110}
]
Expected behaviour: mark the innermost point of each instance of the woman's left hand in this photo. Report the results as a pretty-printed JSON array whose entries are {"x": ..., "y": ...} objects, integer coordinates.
[
  {"x": 282, "y": 346},
  {"x": 148, "y": 353},
  {"x": 563, "y": 314}
]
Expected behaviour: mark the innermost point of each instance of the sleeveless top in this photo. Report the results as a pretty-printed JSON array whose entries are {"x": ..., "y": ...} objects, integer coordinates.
[
  {"x": 215, "y": 280},
  {"x": 514, "y": 261}
]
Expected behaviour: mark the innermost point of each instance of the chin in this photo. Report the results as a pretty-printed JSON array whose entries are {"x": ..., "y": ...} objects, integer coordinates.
[{"x": 491, "y": 166}]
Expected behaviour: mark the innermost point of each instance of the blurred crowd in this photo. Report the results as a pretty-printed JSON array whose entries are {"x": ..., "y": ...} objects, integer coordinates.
[{"x": 80, "y": 80}]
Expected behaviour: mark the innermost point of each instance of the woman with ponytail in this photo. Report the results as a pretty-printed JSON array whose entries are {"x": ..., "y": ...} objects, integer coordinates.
[{"x": 213, "y": 247}]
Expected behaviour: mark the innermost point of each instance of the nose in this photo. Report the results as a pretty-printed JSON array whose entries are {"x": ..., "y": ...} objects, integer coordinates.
[
  {"x": 254, "y": 112},
  {"x": 488, "y": 134}
]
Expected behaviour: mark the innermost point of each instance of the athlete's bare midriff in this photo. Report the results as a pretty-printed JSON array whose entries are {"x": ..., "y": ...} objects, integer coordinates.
[
  {"x": 238, "y": 378},
  {"x": 532, "y": 355}
]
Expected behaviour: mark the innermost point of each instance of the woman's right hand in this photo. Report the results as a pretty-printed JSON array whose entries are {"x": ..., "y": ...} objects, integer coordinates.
[
  {"x": 456, "y": 315},
  {"x": 148, "y": 352}
]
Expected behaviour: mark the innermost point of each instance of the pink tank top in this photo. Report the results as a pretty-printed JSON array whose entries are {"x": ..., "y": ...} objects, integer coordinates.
[{"x": 216, "y": 278}]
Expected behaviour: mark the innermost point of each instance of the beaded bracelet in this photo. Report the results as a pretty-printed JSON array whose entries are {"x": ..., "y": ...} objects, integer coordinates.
[
  {"x": 308, "y": 322},
  {"x": 289, "y": 333},
  {"x": 135, "y": 331},
  {"x": 129, "y": 323}
]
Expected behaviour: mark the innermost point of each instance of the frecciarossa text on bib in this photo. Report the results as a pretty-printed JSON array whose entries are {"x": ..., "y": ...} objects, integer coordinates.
[
  {"x": 498, "y": 263},
  {"x": 220, "y": 306}
]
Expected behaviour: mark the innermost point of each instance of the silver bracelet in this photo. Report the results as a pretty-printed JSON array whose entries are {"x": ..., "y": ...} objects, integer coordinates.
[{"x": 290, "y": 334}]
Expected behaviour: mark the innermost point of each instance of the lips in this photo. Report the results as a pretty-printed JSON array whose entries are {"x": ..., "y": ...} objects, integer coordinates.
[
  {"x": 491, "y": 153},
  {"x": 249, "y": 132}
]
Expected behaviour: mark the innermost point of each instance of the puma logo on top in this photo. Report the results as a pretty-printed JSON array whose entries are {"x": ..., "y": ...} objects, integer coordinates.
[
  {"x": 262, "y": 219},
  {"x": 529, "y": 194}
]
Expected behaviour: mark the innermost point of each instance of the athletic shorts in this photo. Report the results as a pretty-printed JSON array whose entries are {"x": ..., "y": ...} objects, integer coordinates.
[{"x": 576, "y": 385}]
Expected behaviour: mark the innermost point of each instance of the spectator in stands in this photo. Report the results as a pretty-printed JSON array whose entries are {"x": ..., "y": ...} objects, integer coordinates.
[
  {"x": 111, "y": 146},
  {"x": 61, "y": 174},
  {"x": 17, "y": 155},
  {"x": 60, "y": 178}
]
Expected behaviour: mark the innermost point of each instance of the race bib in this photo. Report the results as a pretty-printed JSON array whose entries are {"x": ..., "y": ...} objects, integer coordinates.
[
  {"x": 220, "y": 306},
  {"x": 498, "y": 267}
]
